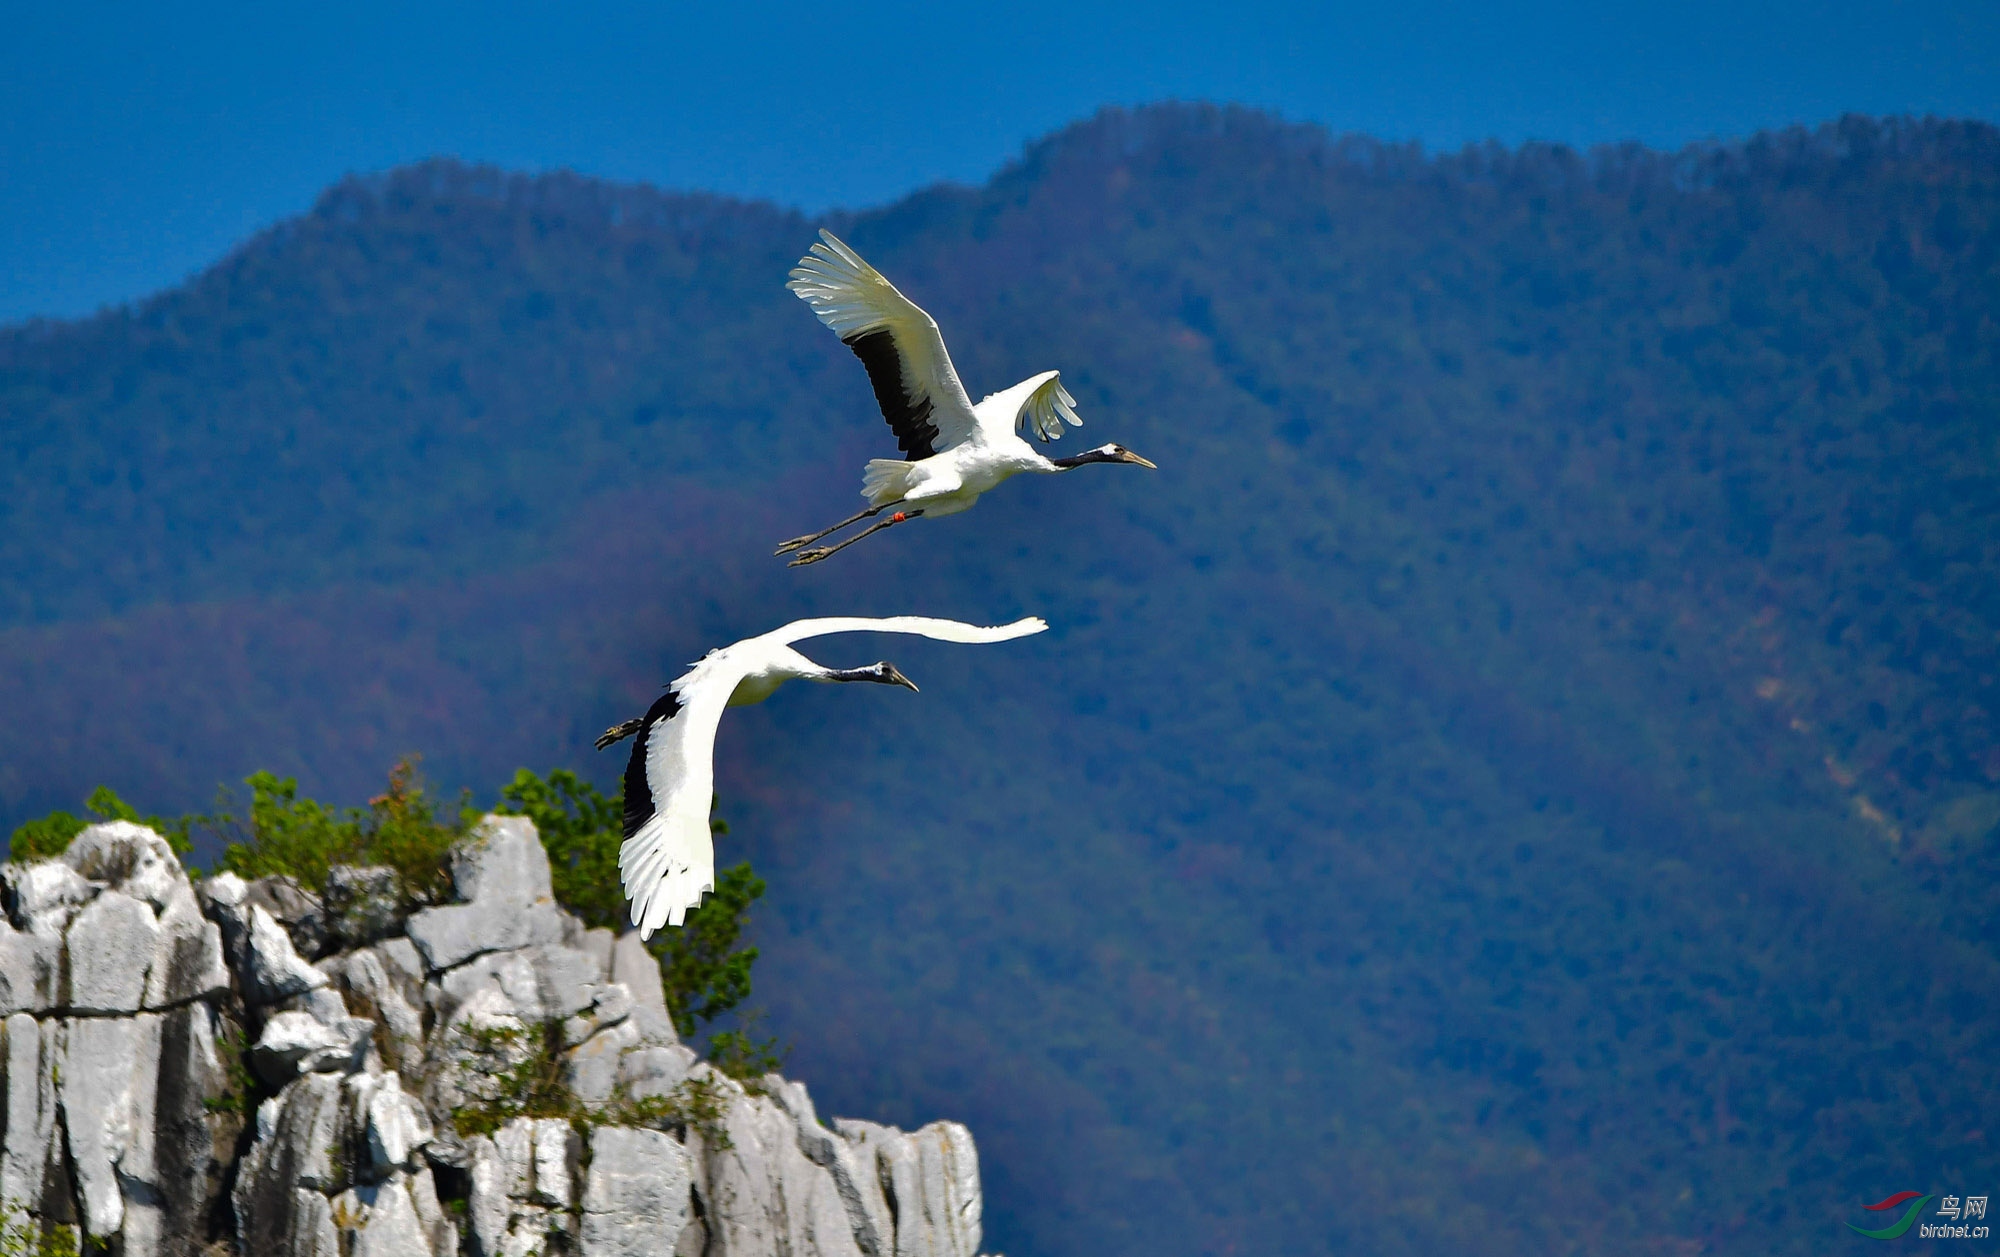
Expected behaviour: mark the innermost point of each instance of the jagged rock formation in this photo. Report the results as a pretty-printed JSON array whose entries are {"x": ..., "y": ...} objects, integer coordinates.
[{"x": 245, "y": 1068}]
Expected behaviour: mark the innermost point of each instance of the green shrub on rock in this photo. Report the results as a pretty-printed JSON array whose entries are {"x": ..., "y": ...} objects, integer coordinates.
[
  {"x": 284, "y": 835},
  {"x": 47, "y": 837}
]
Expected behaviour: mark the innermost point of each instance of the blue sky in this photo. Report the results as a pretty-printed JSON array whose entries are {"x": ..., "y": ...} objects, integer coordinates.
[{"x": 139, "y": 143}]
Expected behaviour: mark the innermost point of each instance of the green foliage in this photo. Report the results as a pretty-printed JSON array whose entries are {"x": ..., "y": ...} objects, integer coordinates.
[
  {"x": 284, "y": 835},
  {"x": 509, "y": 1071},
  {"x": 695, "y": 1103},
  {"x": 21, "y": 1236},
  {"x": 46, "y": 837},
  {"x": 49, "y": 836},
  {"x": 743, "y": 1056},
  {"x": 302, "y": 838},
  {"x": 240, "y": 1085}
]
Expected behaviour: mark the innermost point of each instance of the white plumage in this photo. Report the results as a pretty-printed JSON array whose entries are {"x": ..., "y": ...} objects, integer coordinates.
[
  {"x": 954, "y": 451},
  {"x": 667, "y": 862}
]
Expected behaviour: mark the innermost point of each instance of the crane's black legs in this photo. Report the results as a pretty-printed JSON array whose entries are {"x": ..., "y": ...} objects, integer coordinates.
[
  {"x": 796, "y": 542},
  {"x": 815, "y": 555}
]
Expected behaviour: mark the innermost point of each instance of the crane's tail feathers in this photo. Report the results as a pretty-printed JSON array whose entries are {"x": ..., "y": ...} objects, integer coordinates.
[
  {"x": 666, "y": 870},
  {"x": 886, "y": 480}
]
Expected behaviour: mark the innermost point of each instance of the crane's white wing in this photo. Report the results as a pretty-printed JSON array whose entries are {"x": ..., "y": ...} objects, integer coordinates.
[
  {"x": 897, "y": 342},
  {"x": 920, "y": 625},
  {"x": 1047, "y": 407},
  {"x": 667, "y": 862}
]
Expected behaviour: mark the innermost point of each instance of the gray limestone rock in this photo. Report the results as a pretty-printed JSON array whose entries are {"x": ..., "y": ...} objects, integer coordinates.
[
  {"x": 192, "y": 1142},
  {"x": 110, "y": 945},
  {"x": 654, "y": 1071},
  {"x": 481, "y": 1040},
  {"x": 378, "y": 986},
  {"x": 928, "y": 1181},
  {"x": 609, "y": 1005},
  {"x": 502, "y": 861},
  {"x": 454, "y": 934},
  {"x": 298, "y": 910},
  {"x": 398, "y": 1128},
  {"x": 146, "y": 1150},
  {"x": 853, "y": 1174},
  {"x": 121, "y": 988},
  {"x": 29, "y": 1151},
  {"x": 542, "y": 983},
  {"x": 300, "y": 1042},
  {"x": 639, "y": 1054},
  {"x": 293, "y": 1161},
  {"x": 272, "y": 969},
  {"x": 400, "y": 956},
  {"x": 764, "y": 1195},
  {"x": 636, "y": 1201},
  {"x": 593, "y": 1066},
  {"x": 130, "y": 858},
  {"x": 121, "y": 957},
  {"x": 636, "y": 967},
  {"x": 499, "y": 1172},
  {"x": 228, "y": 900},
  {"x": 104, "y": 1068},
  {"x": 31, "y": 970},
  {"x": 599, "y": 944},
  {"x": 187, "y": 959},
  {"x": 558, "y": 1158},
  {"x": 398, "y": 1217},
  {"x": 363, "y": 904},
  {"x": 308, "y": 1227},
  {"x": 38, "y": 896},
  {"x": 502, "y": 874},
  {"x": 224, "y": 899},
  {"x": 523, "y": 1185}
]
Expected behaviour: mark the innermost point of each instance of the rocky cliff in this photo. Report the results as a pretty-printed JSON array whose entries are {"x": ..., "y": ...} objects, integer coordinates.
[{"x": 243, "y": 1068}]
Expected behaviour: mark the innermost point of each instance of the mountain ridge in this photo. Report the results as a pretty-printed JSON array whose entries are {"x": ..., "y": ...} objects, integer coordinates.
[{"x": 1531, "y": 740}]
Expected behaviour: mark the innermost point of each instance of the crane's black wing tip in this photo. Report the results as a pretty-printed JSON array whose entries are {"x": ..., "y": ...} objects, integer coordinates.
[
  {"x": 639, "y": 805},
  {"x": 909, "y": 416}
]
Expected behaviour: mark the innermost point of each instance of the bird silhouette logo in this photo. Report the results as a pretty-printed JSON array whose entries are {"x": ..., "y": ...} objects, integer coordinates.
[{"x": 1902, "y": 1224}]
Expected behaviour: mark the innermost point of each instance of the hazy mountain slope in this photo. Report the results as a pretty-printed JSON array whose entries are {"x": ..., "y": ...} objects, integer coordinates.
[
  {"x": 1520, "y": 777},
  {"x": 411, "y": 380}
]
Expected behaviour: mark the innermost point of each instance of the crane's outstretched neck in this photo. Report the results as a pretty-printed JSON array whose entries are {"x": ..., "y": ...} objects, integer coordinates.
[
  {"x": 884, "y": 673},
  {"x": 1102, "y": 454}
]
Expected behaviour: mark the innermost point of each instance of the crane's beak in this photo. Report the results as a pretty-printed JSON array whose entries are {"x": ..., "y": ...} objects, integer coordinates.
[
  {"x": 1129, "y": 457},
  {"x": 890, "y": 675}
]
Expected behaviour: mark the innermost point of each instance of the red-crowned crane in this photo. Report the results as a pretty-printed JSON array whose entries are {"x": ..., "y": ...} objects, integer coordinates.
[
  {"x": 667, "y": 862},
  {"x": 954, "y": 451}
]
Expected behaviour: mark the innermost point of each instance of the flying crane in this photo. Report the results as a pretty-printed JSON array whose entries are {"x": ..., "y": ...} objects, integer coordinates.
[
  {"x": 667, "y": 862},
  {"x": 954, "y": 451}
]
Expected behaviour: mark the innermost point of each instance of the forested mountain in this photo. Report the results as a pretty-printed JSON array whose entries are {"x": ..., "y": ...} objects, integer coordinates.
[{"x": 1520, "y": 778}]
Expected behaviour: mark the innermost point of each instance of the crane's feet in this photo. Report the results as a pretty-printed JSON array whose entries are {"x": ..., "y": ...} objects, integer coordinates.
[
  {"x": 813, "y": 555},
  {"x": 796, "y": 542}
]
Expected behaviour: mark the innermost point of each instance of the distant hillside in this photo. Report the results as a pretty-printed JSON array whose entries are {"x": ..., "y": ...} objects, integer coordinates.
[{"x": 1522, "y": 777}]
